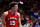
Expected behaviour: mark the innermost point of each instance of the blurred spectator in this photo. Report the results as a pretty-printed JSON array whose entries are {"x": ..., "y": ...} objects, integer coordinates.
[
  {"x": 37, "y": 24},
  {"x": 20, "y": 10},
  {"x": 22, "y": 21},
  {"x": 31, "y": 12},
  {"x": 25, "y": 20},
  {"x": 31, "y": 16},
  {"x": 36, "y": 15},
  {"x": 39, "y": 10},
  {"x": 0, "y": 20},
  {"x": 31, "y": 25},
  {"x": 27, "y": 24},
  {"x": 27, "y": 17},
  {"x": 34, "y": 22},
  {"x": 39, "y": 17},
  {"x": 29, "y": 21},
  {"x": 22, "y": 14}
]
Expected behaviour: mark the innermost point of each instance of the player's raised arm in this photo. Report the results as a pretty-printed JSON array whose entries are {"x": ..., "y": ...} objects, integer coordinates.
[
  {"x": 19, "y": 20},
  {"x": 3, "y": 19}
]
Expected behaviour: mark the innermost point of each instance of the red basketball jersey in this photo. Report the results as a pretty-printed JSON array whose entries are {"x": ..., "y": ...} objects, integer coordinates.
[{"x": 11, "y": 20}]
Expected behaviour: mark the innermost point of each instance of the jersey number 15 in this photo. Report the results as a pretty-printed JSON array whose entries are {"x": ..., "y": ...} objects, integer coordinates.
[{"x": 12, "y": 22}]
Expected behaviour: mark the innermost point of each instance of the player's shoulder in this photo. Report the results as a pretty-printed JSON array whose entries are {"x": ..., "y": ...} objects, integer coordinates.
[
  {"x": 5, "y": 13},
  {"x": 18, "y": 14}
]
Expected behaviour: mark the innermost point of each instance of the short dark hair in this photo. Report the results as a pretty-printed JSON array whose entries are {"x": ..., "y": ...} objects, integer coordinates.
[{"x": 12, "y": 4}]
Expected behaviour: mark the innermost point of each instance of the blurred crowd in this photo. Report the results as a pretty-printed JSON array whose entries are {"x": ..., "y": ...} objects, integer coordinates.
[{"x": 29, "y": 10}]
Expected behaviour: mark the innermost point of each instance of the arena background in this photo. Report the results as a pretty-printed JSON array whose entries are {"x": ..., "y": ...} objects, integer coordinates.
[{"x": 29, "y": 10}]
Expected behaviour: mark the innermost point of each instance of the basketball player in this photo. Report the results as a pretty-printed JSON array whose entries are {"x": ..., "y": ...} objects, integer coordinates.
[{"x": 11, "y": 18}]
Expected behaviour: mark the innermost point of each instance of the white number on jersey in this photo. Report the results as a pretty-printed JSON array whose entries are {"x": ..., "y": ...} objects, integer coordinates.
[{"x": 12, "y": 22}]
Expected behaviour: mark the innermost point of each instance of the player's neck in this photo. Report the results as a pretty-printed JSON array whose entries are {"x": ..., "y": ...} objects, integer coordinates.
[{"x": 12, "y": 12}]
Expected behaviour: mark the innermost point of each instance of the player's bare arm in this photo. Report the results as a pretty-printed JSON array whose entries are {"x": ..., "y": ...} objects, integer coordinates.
[
  {"x": 19, "y": 20},
  {"x": 3, "y": 19}
]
